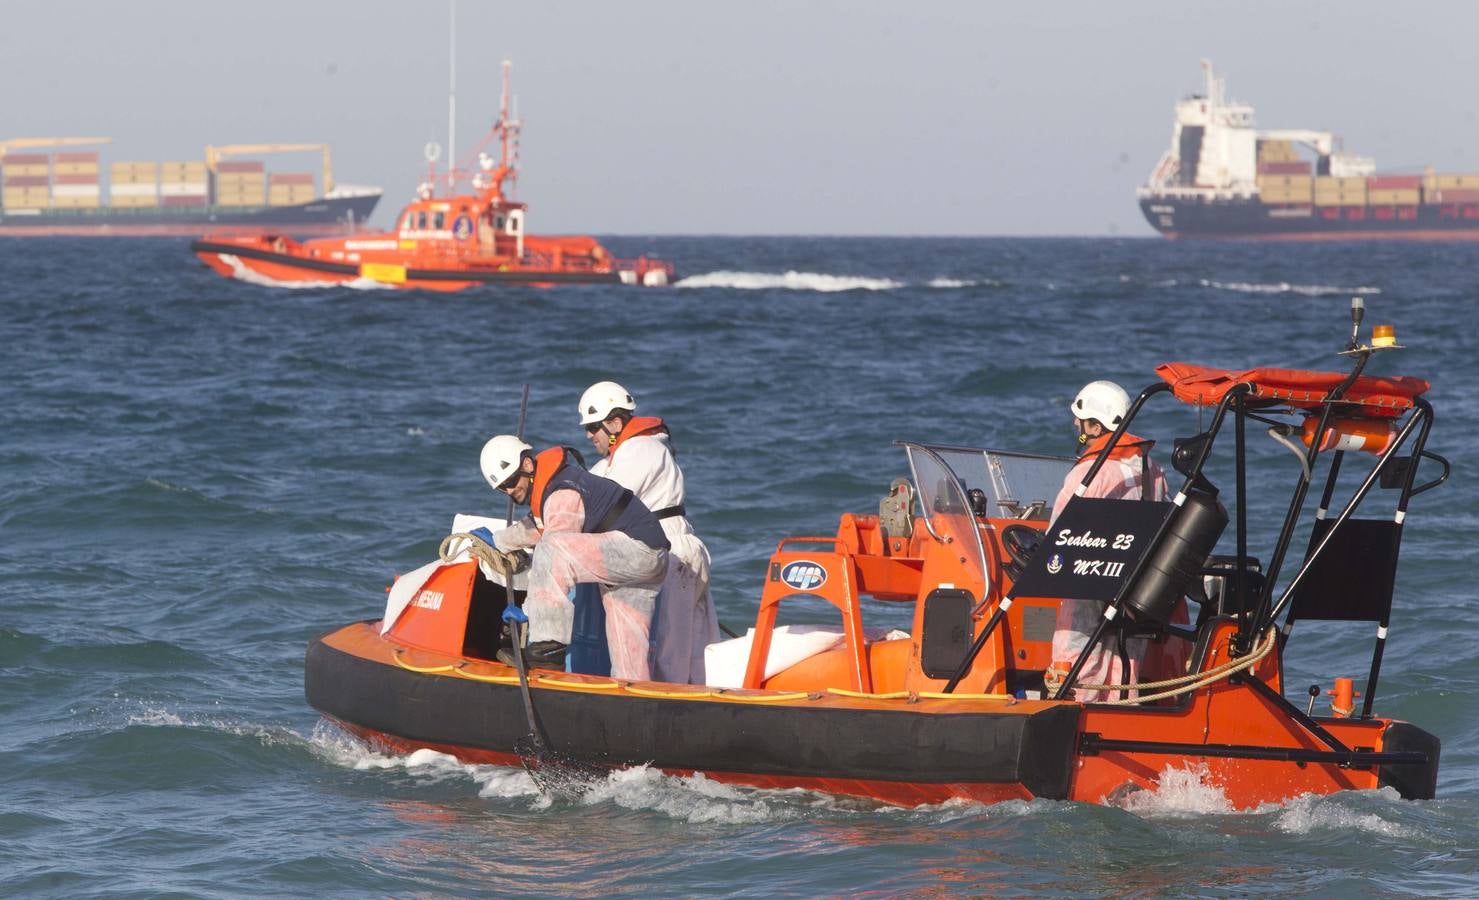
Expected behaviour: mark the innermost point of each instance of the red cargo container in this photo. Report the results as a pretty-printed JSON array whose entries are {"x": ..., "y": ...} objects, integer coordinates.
[
  {"x": 291, "y": 178},
  {"x": 1284, "y": 168},
  {"x": 195, "y": 200},
  {"x": 75, "y": 179},
  {"x": 77, "y": 157},
  {"x": 15, "y": 181},
  {"x": 24, "y": 159},
  {"x": 235, "y": 167},
  {"x": 1394, "y": 182},
  {"x": 1454, "y": 195}
]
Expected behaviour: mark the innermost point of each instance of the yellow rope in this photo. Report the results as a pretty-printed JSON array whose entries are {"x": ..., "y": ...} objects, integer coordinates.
[
  {"x": 478, "y": 549},
  {"x": 490, "y": 679},
  {"x": 751, "y": 698},
  {"x": 669, "y": 695},
  {"x": 864, "y": 695},
  {"x": 1186, "y": 684},
  {"x": 941, "y": 695},
  {"x": 423, "y": 670},
  {"x": 578, "y": 685}
]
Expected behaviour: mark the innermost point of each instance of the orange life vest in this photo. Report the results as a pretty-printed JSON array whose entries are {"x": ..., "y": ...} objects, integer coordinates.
[
  {"x": 1128, "y": 446},
  {"x": 637, "y": 426},
  {"x": 546, "y": 464}
]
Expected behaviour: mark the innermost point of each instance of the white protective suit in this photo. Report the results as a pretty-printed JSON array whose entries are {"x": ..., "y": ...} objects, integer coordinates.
[
  {"x": 628, "y": 571},
  {"x": 686, "y": 620},
  {"x": 1120, "y": 479}
]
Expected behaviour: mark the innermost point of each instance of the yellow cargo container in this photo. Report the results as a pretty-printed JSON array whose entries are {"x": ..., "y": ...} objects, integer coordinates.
[
  {"x": 291, "y": 199},
  {"x": 241, "y": 200},
  {"x": 75, "y": 168},
  {"x": 133, "y": 200},
  {"x": 25, "y": 198},
  {"x": 1393, "y": 197},
  {"x": 1454, "y": 182},
  {"x": 1300, "y": 182},
  {"x": 1287, "y": 197},
  {"x": 1276, "y": 151},
  {"x": 1341, "y": 199},
  {"x": 75, "y": 202},
  {"x": 25, "y": 169}
]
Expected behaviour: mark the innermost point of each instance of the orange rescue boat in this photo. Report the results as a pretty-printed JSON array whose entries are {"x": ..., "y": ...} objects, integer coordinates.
[
  {"x": 443, "y": 243},
  {"x": 957, "y": 707}
]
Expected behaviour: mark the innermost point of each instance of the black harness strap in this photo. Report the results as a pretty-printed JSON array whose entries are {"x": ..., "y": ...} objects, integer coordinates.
[
  {"x": 608, "y": 521},
  {"x": 667, "y": 512}
]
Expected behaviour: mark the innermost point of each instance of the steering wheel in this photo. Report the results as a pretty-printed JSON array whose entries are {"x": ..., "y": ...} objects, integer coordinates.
[{"x": 1020, "y": 543}]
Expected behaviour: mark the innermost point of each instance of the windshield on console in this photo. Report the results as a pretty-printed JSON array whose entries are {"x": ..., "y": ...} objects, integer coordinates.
[{"x": 1016, "y": 485}]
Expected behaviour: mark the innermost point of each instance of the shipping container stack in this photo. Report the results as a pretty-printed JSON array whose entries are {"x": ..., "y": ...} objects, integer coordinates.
[
  {"x": 25, "y": 181},
  {"x": 183, "y": 184},
  {"x": 1451, "y": 189},
  {"x": 133, "y": 184},
  {"x": 1331, "y": 191},
  {"x": 1393, "y": 190},
  {"x": 290, "y": 188},
  {"x": 241, "y": 184},
  {"x": 74, "y": 181},
  {"x": 1283, "y": 178}
]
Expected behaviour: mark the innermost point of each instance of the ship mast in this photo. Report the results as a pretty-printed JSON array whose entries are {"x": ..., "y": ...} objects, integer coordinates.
[{"x": 452, "y": 96}]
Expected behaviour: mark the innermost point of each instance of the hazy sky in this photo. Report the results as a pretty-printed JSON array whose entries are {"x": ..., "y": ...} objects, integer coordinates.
[{"x": 970, "y": 118}]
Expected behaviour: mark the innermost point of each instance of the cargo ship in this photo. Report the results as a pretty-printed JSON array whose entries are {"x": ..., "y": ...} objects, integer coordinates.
[
  {"x": 1224, "y": 178},
  {"x": 64, "y": 192}
]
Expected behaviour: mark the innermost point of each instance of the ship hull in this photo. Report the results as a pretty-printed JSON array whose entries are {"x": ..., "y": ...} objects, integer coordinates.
[
  {"x": 1181, "y": 218},
  {"x": 256, "y": 262},
  {"x": 321, "y": 217}
]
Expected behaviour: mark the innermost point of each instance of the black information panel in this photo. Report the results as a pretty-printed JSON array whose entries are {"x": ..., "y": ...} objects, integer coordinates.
[{"x": 1091, "y": 548}]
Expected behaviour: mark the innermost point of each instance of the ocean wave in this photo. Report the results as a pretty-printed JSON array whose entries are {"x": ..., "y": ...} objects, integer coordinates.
[
  {"x": 1308, "y": 814},
  {"x": 792, "y": 281},
  {"x": 1284, "y": 287}
]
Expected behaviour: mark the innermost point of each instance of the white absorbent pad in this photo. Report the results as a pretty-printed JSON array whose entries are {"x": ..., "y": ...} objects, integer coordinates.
[
  {"x": 407, "y": 585},
  {"x": 725, "y": 661}
]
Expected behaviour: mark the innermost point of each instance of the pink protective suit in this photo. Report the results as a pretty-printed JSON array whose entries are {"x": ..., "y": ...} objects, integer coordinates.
[
  {"x": 1119, "y": 478},
  {"x": 628, "y": 571}
]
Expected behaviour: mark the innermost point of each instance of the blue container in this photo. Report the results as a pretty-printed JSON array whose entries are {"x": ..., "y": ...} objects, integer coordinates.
[{"x": 588, "y": 653}]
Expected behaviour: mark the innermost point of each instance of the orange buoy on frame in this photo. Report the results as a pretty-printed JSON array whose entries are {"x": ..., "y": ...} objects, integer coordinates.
[{"x": 1367, "y": 435}]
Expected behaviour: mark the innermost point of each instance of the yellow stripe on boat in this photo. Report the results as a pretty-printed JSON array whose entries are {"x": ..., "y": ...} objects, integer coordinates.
[{"x": 385, "y": 273}]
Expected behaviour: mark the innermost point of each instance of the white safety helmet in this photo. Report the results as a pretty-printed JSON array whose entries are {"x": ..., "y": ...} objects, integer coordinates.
[
  {"x": 1101, "y": 401},
  {"x": 501, "y": 457},
  {"x": 601, "y": 398}
]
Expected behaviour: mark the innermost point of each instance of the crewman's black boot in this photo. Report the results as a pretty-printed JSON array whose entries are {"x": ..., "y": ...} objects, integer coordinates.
[{"x": 538, "y": 655}]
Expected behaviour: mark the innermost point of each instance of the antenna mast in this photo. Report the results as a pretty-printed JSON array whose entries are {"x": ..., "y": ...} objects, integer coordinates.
[{"x": 452, "y": 95}]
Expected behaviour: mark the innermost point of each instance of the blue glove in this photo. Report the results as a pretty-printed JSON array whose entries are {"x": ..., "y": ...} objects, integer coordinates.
[
  {"x": 513, "y": 613},
  {"x": 484, "y": 535}
]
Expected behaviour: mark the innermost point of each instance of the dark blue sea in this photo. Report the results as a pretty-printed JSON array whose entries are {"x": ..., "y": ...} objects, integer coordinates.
[{"x": 200, "y": 475}]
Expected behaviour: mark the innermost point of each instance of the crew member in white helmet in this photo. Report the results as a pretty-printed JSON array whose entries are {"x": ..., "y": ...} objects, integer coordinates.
[
  {"x": 637, "y": 455},
  {"x": 1097, "y": 412},
  {"x": 583, "y": 529}
]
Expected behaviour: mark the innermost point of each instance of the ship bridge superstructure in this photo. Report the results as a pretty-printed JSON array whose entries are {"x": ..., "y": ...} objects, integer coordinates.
[{"x": 1215, "y": 148}]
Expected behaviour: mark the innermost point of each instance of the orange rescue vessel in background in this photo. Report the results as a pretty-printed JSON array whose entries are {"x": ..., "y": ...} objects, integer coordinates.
[{"x": 443, "y": 243}]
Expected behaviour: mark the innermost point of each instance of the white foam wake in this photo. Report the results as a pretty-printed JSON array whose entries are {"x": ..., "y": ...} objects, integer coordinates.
[
  {"x": 1284, "y": 287},
  {"x": 242, "y": 273},
  {"x": 943, "y": 282},
  {"x": 792, "y": 281},
  {"x": 1178, "y": 792}
]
